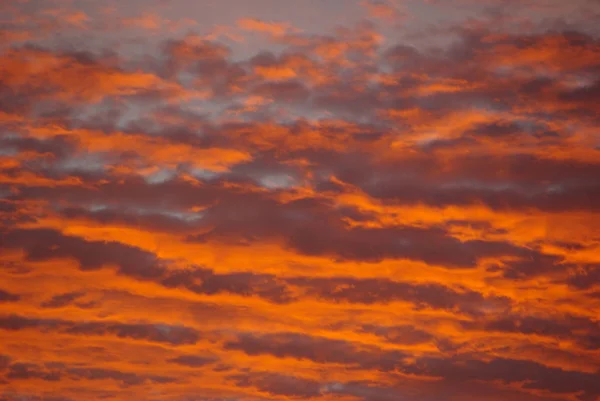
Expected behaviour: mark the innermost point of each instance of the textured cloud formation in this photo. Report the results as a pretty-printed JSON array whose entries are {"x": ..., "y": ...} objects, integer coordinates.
[{"x": 345, "y": 200}]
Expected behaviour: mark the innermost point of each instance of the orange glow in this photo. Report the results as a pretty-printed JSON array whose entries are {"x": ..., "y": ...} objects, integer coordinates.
[{"x": 247, "y": 201}]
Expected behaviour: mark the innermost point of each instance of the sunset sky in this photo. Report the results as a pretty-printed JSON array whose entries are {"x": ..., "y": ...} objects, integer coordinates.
[{"x": 332, "y": 200}]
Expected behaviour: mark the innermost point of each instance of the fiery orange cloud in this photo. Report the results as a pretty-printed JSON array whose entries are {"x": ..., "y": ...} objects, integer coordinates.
[
  {"x": 271, "y": 28},
  {"x": 348, "y": 205}
]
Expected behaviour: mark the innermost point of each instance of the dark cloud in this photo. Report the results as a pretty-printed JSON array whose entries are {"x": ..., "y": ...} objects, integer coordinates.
[
  {"x": 317, "y": 228},
  {"x": 535, "y": 375},
  {"x": 43, "y": 244},
  {"x": 534, "y": 265},
  {"x": 580, "y": 329},
  {"x": 57, "y": 371},
  {"x": 586, "y": 276},
  {"x": 291, "y": 91},
  {"x": 126, "y": 378},
  {"x": 316, "y": 349},
  {"x": 161, "y": 333},
  {"x": 192, "y": 360},
  {"x": 279, "y": 384},
  {"x": 209, "y": 61},
  {"x": 203, "y": 281},
  {"x": 57, "y": 147},
  {"x": 58, "y": 301},
  {"x": 25, "y": 371},
  {"x": 6, "y": 296},
  {"x": 369, "y": 291},
  {"x": 514, "y": 182},
  {"x": 403, "y": 334},
  {"x": 158, "y": 332}
]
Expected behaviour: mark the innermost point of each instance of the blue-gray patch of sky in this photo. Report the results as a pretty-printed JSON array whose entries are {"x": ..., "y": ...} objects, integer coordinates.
[
  {"x": 160, "y": 176},
  {"x": 87, "y": 162},
  {"x": 277, "y": 181}
]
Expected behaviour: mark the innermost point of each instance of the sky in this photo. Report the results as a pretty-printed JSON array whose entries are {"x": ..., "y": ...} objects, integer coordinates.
[{"x": 329, "y": 200}]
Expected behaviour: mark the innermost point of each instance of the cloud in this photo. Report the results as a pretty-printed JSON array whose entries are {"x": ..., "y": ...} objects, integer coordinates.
[
  {"x": 371, "y": 291},
  {"x": 280, "y": 384},
  {"x": 316, "y": 349},
  {"x": 58, "y": 301},
  {"x": 191, "y": 360},
  {"x": 161, "y": 333},
  {"x": 580, "y": 330},
  {"x": 20, "y": 371},
  {"x": 534, "y": 375},
  {"x": 6, "y": 296},
  {"x": 370, "y": 200},
  {"x": 383, "y": 10},
  {"x": 69, "y": 77},
  {"x": 271, "y": 28}
]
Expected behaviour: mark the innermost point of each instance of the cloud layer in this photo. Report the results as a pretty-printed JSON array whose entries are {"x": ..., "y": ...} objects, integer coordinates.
[{"x": 357, "y": 200}]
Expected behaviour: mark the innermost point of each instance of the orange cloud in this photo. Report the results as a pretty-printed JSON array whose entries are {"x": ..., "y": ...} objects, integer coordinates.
[
  {"x": 146, "y": 21},
  {"x": 271, "y": 28},
  {"x": 275, "y": 73},
  {"x": 383, "y": 11},
  {"x": 70, "y": 79},
  {"x": 334, "y": 214}
]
